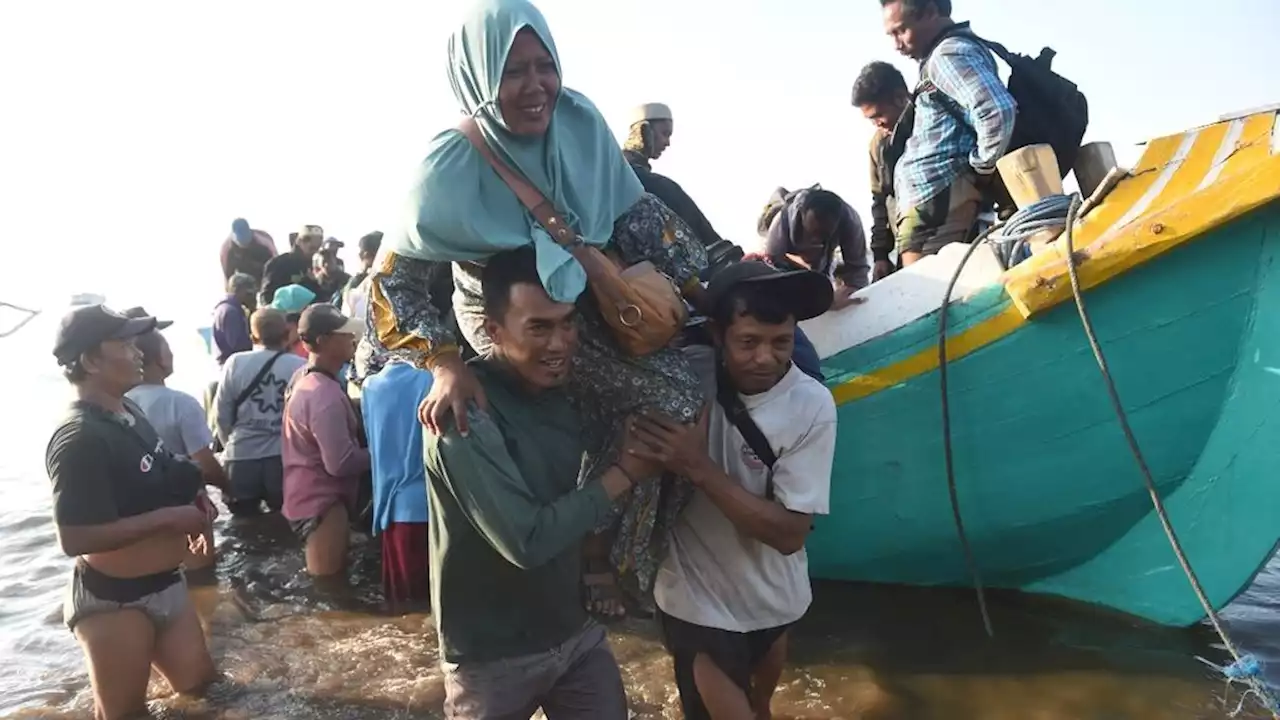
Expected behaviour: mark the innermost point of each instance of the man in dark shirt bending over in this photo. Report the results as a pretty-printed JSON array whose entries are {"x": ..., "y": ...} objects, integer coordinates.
[
  {"x": 507, "y": 520},
  {"x": 806, "y": 232}
]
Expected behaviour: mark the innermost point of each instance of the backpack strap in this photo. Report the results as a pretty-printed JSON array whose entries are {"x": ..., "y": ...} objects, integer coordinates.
[
  {"x": 253, "y": 385},
  {"x": 736, "y": 411}
]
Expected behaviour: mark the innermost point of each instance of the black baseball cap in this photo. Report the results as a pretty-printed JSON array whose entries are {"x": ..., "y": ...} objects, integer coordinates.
[
  {"x": 324, "y": 319},
  {"x": 85, "y": 328},
  {"x": 138, "y": 312},
  {"x": 805, "y": 293}
]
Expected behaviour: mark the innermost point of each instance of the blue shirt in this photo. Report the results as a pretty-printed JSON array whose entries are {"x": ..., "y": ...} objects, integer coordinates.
[
  {"x": 959, "y": 80},
  {"x": 389, "y": 401},
  {"x": 805, "y": 357}
]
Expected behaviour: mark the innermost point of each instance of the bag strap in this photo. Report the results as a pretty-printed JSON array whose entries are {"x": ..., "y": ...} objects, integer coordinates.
[
  {"x": 736, "y": 411},
  {"x": 532, "y": 198},
  {"x": 253, "y": 385}
]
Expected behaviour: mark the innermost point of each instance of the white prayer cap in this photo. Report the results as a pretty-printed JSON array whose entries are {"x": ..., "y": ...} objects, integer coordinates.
[{"x": 650, "y": 111}]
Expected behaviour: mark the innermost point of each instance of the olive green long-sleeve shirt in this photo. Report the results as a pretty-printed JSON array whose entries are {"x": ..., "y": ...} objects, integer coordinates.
[{"x": 506, "y": 523}]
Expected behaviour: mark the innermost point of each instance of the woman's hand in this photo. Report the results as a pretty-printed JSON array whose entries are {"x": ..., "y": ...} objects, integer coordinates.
[{"x": 454, "y": 386}]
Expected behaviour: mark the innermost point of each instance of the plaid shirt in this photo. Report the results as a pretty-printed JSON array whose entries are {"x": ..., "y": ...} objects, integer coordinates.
[{"x": 958, "y": 79}]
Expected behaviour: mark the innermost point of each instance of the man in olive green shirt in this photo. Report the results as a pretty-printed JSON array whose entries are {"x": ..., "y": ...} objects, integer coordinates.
[{"x": 507, "y": 520}]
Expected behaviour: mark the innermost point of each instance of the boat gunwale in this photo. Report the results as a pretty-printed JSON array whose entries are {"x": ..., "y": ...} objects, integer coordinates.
[{"x": 1042, "y": 282}]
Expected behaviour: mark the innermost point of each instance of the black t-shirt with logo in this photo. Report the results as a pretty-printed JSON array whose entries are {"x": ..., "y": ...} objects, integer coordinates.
[{"x": 105, "y": 466}]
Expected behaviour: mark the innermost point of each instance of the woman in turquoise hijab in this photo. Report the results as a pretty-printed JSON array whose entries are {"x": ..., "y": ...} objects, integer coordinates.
[{"x": 506, "y": 74}]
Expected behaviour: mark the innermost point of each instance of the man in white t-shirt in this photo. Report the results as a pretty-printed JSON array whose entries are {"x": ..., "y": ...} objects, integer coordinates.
[
  {"x": 736, "y": 576},
  {"x": 179, "y": 421}
]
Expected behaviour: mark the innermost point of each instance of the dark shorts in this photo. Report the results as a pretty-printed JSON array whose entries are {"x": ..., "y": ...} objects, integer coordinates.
[
  {"x": 254, "y": 482},
  {"x": 576, "y": 680},
  {"x": 305, "y": 527},
  {"x": 405, "y": 578},
  {"x": 948, "y": 217},
  {"x": 735, "y": 653}
]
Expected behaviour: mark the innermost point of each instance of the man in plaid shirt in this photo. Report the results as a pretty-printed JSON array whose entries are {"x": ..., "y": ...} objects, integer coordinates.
[{"x": 964, "y": 119}]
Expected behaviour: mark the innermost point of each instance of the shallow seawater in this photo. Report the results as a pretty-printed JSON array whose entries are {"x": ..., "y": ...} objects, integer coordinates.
[{"x": 290, "y": 649}]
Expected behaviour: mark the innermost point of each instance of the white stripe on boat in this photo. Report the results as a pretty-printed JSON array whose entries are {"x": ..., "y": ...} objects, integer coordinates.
[
  {"x": 1230, "y": 141},
  {"x": 1153, "y": 192},
  {"x": 1251, "y": 111}
]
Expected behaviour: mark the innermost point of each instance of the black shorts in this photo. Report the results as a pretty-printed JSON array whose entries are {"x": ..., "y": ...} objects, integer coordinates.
[
  {"x": 735, "y": 653},
  {"x": 254, "y": 482}
]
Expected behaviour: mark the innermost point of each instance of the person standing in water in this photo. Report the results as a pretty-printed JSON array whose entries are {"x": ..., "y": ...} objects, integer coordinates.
[
  {"x": 125, "y": 507},
  {"x": 507, "y": 519},
  {"x": 249, "y": 407},
  {"x": 179, "y": 421},
  {"x": 650, "y": 135},
  {"x": 736, "y": 577},
  {"x": 323, "y": 460},
  {"x": 231, "y": 317}
]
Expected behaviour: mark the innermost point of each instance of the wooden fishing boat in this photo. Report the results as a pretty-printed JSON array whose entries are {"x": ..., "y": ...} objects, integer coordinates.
[{"x": 1179, "y": 265}]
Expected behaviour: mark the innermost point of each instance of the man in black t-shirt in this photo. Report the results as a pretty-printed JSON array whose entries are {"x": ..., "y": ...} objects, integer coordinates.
[
  {"x": 125, "y": 507},
  {"x": 293, "y": 267}
]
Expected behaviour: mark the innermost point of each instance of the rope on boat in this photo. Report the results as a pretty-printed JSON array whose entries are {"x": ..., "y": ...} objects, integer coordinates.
[
  {"x": 947, "y": 454},
  {"x": 30, "y": 315},
  {"x": 1011, "y": 243},
  {"x": 1244, "y": 668}
]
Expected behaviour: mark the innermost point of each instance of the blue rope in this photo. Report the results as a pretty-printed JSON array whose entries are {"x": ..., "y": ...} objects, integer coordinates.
[{"x": 1010, "y": 240}]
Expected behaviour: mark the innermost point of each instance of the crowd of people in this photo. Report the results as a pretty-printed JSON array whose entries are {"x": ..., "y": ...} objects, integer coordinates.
[{"x": 473, "y": 394}]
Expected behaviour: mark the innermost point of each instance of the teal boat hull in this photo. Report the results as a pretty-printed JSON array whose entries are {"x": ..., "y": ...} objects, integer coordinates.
[{"x": 1052, "y": 498}]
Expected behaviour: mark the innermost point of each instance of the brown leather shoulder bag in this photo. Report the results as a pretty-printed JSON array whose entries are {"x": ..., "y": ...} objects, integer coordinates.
[{"x": 641, "y": 305}]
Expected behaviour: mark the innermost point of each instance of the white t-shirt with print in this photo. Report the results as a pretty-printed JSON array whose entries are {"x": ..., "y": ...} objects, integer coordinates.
[
  {"x": 177, "y": 417},
  {"x": 715, "y": 576}
]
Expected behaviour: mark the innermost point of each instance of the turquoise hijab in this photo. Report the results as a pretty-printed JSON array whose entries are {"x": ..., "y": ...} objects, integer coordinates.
[{"x": 460, "y": 210}]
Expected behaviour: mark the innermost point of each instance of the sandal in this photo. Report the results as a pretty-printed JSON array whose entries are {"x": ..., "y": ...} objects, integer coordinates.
[{"x": 603, "y": 598}]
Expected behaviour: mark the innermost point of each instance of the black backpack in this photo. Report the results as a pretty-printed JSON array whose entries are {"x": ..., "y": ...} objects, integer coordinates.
[{"x": 1051, "y": 109}]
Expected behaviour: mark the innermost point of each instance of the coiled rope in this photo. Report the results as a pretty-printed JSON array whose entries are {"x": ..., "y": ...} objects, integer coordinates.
[
  {"x": 1010, "y": 243},
  {"x": 1010, "y": 239}
]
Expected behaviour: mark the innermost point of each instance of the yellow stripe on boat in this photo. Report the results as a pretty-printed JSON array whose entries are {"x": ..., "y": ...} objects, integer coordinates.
[
  {"x": 1183, "y": 186},
  {"x": 1247, "y": 177},
  {"x": 958, "y": 345}
]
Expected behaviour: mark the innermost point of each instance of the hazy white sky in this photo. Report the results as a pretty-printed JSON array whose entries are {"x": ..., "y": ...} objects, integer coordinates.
[{"x": 133, "y": 132}]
